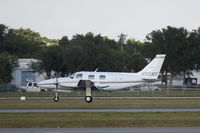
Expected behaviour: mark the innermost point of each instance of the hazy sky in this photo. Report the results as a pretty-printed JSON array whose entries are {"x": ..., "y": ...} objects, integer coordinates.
[{"x": 136, "y": 18}]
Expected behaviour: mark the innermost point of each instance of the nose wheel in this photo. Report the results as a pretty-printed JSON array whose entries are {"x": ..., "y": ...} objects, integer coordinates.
[
  {"x": 56, "y": 98},
  {"x": 88, "y": 99}
]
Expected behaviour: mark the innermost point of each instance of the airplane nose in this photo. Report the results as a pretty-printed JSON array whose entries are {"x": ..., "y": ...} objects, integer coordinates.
[
  {"x": 41, "y": 83},
  {"x": 50, "y": 83}
]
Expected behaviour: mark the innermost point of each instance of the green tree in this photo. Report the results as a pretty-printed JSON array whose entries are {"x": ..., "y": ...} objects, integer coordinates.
[
  {"x": 97, "y": 52},
  {"x": 194, "y": 48},
  {"x": 135, "y": 57},
  {"x": 48, "y": 41},
  {"x": 27, "y": 34},
  {"x": 50, "y": 59},
  {"x": 64, "y": 41},
  {"x": 174, "y": 43},
  {"x": 3, "y": 32},
  {"x": 22, "y": 43},
  {"x": 8, "y": 63}
]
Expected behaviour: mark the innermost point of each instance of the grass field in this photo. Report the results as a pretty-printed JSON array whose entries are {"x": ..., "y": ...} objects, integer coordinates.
[
  {"x": 101, "y": 119},
  {"x": 109, "y": 119},
  {"x": 108, "y": 103}
]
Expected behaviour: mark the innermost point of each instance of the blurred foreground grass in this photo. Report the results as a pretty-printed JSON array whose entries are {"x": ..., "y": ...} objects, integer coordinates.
[{"x": 103, "y": 119}]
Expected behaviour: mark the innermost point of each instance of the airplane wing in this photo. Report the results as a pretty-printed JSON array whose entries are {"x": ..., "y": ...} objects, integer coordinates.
[
  {"x": 68, "y": 84},
  {"x": 151, "y": 80},
  {"x": 100, "y": 86},
  {"x": 66, "y": 91}
]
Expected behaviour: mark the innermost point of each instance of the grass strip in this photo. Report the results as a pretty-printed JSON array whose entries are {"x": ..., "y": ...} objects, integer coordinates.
[
  {"x": 99, "y": 119},
  {"x": 111, "y": 103}
]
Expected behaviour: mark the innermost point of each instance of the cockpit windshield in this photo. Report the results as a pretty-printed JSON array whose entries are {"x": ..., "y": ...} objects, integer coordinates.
[{"x": 72, "y": 76}]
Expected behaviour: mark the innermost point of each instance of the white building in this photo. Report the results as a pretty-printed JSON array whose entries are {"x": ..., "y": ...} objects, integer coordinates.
[
  {"x": 23, "y": 73},
  {"x": 178, "y": 80},
  {"x": 196, "y": 74}
]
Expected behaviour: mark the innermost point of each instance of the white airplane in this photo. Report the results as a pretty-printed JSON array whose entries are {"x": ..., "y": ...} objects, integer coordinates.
[{"x": 107, "y": 81}]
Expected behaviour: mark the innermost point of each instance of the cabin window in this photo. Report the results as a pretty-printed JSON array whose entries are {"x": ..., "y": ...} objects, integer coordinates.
[
  {"x": 35, "y": 84},
  {"x": 29, "y": 84},
  {"x": 79, "y": 76},
  {"x": 91, "y": 76},
  {"x": 102, "y": 77},
  {"x": 72, "y": 76}
]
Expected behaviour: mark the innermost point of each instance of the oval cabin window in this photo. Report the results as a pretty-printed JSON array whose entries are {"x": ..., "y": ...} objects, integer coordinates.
[
  {"x": 102, "y": 77},
  {"x": 90, "y": 76},
  {"x": 79, "y": 76}
]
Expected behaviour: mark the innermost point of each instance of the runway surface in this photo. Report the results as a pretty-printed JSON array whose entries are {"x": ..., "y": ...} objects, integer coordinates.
[
  {"x": 101, "y": 130},
  {"x": 101, "y": 110}
]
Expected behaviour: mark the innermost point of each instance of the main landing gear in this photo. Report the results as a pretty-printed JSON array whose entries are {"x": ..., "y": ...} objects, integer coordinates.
[
  {"x": 56, "y": 98},
  {"x": 88, "y": 86},
  {"x": 88, "y": 99}
]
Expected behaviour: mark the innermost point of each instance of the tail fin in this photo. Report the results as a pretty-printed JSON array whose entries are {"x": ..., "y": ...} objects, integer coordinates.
[{"x": 152, "y": 70}]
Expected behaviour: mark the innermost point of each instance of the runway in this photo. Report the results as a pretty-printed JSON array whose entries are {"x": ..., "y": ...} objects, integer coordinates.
[
  {"x": 102, "y": 130},
  {"x": 101, "y": 110}
]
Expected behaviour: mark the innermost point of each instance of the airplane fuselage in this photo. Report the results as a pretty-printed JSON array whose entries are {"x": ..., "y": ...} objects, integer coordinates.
[{"x": 102, "y": 80}]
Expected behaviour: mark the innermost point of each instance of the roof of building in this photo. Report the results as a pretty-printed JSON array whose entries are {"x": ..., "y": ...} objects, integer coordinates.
[{"x": 25, "y": 63}]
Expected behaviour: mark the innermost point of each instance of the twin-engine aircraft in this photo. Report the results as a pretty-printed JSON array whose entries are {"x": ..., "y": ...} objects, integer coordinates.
[{"x": 105, "y": 81}]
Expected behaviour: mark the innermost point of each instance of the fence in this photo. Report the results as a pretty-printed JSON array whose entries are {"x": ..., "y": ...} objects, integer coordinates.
[{"x": 133, "y": 92}]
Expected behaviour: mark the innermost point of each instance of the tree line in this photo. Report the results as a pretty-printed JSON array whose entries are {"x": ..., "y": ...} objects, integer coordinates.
[{"x": 88, "y": 52}]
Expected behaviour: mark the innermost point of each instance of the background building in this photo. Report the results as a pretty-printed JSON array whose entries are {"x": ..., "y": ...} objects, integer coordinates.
[{"x": 23, "y": 73}]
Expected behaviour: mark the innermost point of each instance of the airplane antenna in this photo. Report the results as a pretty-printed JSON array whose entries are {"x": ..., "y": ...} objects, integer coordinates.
[{"x": 96, "y": 70}]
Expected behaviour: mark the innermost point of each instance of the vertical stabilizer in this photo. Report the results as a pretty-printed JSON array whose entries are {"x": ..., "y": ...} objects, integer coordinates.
[{"x": 152, "y": 70}]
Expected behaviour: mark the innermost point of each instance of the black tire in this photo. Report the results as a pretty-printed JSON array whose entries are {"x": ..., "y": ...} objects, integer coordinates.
[
  {"x": 88, "y": 99},
  {"x": 56, "y": 99},
  {"x": 42, "y": 90}
]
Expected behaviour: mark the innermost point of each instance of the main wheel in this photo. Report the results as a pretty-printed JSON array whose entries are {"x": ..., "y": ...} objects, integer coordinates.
[
  {"x": 56, "y": 99},
  {"x": 88, "y": 99}
]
